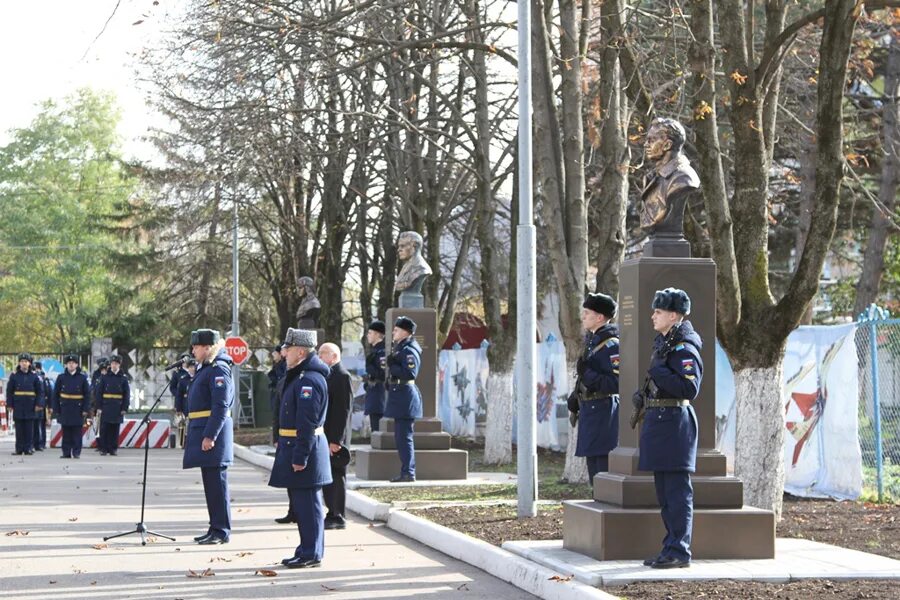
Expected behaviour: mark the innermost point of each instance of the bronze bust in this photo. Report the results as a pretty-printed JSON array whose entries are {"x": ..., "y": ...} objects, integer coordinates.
[
  {"x": 310, "y": 307},
  {"x": 414, "y": 271},
  {"x": 671, "y": 183}
]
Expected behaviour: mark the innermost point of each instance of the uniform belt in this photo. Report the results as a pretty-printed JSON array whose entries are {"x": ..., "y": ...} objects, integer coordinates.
[
  {"x": 597, "y": 396},
  {"x": 198, "y": 414},
  {"x": 71, "y": 396},
  {"x": 397, "y": 381},
  {"x": 18, "y": 393},
  {"x": 293, "y": 432},
  {"x": 114, "y": 396},
  {"x": 665, "y": 402}
]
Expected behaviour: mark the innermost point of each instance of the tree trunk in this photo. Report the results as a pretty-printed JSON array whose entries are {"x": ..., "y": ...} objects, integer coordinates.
[
  {"x": 208, "y": 255},
  {"x": 760, "y": 418},
  {"x": 873, "y": 261},
  {"x": 499, "y": 425}
]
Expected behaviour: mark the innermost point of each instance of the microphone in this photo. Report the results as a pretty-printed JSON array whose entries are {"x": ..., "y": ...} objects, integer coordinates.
[{"x": 175, "y": 364}]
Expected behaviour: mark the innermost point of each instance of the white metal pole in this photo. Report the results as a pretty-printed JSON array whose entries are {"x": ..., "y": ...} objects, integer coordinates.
[
  {"x": 235, "y": 315},
  {"x": 526, "y": 290}
]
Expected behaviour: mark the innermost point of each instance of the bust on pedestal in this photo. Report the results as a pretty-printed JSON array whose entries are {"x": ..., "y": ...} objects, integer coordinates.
[
  {"x": 433, "y": 455},
  {"x": 623, "y": 520}
]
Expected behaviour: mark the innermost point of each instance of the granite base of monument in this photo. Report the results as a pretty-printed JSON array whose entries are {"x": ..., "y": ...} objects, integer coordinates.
[
  {"x": 623, "y": 521},
  {"x": 435, "y": 459}
]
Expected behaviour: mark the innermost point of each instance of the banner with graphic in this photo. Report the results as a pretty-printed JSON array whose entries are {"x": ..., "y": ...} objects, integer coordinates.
[{"x": 462, "y": 378}]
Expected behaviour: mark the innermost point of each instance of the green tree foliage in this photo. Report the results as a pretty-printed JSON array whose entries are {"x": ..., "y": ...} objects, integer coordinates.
[{"x": 70, "y": 251}]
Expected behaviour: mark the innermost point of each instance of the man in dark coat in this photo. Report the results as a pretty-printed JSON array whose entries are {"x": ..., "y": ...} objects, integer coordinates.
[
  {"x": 375, "y": 373},
  {"x": 40, "y": 424},
  {"x": 340, "y": 397},
  {"x": 96, "y": 403},
  {"x": 114, "y": 395},
  {"x": 404, "y": 401},
  {"x": 302, "y": 456},
  {"x": 71, "y": 404},
  {"x": 594, "y": 403},
  {"x": 210, "y": 437},
  {"x": 668, "y": 442},
  {"x": 25, "y": 397}
]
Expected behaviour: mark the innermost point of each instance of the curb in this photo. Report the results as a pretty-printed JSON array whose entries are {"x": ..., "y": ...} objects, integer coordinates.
[
  {"x": 524, "y": 574},
  {"x": 254, "y": 458}
]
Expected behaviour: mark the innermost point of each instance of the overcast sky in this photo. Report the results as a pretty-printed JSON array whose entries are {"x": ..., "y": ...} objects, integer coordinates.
[{"x": 43, "y": 45}]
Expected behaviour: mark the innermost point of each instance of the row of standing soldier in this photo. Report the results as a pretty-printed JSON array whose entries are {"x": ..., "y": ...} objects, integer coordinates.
[
  {"x": 33, "y": 398},
  {"x": 668, "y": 437}
]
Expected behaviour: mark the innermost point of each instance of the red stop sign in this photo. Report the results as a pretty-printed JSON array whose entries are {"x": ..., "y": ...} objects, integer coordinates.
[{"x": 237, "y": 348}]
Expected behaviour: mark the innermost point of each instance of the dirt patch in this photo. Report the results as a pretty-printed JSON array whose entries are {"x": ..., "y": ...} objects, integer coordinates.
[{"x": 751, "y": 590}]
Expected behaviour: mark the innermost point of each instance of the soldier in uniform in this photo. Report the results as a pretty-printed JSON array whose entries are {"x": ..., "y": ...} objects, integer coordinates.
[
  {"x": 302, "y": 455},
  {"x": 210, "y": 437},
  {"x": 40, "y": 424},
  {"x": 25, "y": 395},
  {"x": 404, "y": 401},
  {"x": 594, "y": 404},
  {"x": 668, "y": 441},
  {"x": 374, "y": 382},
  {"x": 180, "y": 372},
  {"x": 96, "y": 402},
  {"x": 71, "y": 403},
  {"x": 181, "y": 394},
  {"x": 340, "y": 396},
  {"x": 114, "y": 397},
  {"x": 275, "y": 374}
]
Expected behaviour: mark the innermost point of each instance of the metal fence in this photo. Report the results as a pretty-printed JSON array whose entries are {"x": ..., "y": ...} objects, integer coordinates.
[{"x": 878, "y": 349}]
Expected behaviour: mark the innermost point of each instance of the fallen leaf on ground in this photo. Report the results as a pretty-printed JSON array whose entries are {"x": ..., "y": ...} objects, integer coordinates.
[
  {"x": 18, "y": 532},
  {"x": 51, "y": 581},
  {"x": 151, "y": 539},
  {"x": 73, "y": 519},
  {"x": 266, "y": 573},
  {"x": 463, "y": 588},
  {"x": 243, "y": 554},
  {"x": 93, "y": 583},
  {"x": 206, "y": 573},
  {"x": 100, "y": 546},
  {"x": 560, "y": 578},
  {"x": 328, "y": 589},
  {"x": 220, "y": 559},
  {"x": 77, "y": 571}
]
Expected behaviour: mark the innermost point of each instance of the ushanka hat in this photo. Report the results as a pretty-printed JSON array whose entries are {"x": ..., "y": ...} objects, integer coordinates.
[
  {"x": 305, "y": 338},
  {"x": 405, "y": 323},
  {"x": 601, "y": 304},
  {"x": 672, "y": 299},
  {"x": 378, "y": 325},
  {"x": 205, "y": 337}
]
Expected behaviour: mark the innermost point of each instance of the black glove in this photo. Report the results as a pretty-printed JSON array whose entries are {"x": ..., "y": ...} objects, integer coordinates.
[
  {"x": 580, "y": 367},
  {"x": 637, "y": 400},
  {"x": 572, "y": 402}
]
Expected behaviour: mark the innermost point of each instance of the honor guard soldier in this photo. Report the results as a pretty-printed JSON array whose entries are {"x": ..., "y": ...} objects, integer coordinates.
[
  {"x": 340, "y": 397},
  {"x": 210, "y": 437},
  {"x": 302, "y": 457},
  {"x": 40, "y": 424},
  {"x": 275, "y": 374},
  {"x": 114, "y": 397},
  {"x": 25, "y": 396},
  {"x": 375, "y": 373},
  {"x": 668, "y": 441},
  {"x": 181, "y": 394},
  {"x": 176, "y": 377},
  {"x": 595, "y": 402},
  {"x": 71, "y": 403},
  {"x": 404, "y": 402},
  {"x": 96, "y": 402}
]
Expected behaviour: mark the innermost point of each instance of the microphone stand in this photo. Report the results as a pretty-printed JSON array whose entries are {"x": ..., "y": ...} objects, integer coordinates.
[{"x": 140, "y": 527}]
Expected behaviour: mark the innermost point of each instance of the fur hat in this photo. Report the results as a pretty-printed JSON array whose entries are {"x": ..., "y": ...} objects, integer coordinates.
[
  {"x": 26, "y": 356},
  {"x": 307, "y": 338},
  {"x": 205, "y": 337},
  {"x": 672, "y": 299},
  {"x": 72, "y": 358},
  {"x": 378, "y": 325},
  {"x": 601, "y": 304},
  {"x": 405, "y": 323},
  {"x": 115, "y": 358}
]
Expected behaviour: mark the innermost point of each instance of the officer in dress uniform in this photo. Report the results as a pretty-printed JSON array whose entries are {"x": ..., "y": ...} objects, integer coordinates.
[
  {"x": 25, "y": 397},
  {"x": 374, "y": 382},
  {"x": 181, "y": 394},
  {"x": 96, "y": 402},
  {"x": 595, "y": 402},
  {"x": 302, "y": 462},
  {"x": 71, "y": 403},
  {"x": 275, "y": 374},
  {"x": 210, "y": 437},
  {"x": 114, "y": 396},
  {"x": 668, "y": 442},
  {"x": 40, "y": 424},
  {"x": 179, "y": 373},
  {"x": 404, "y": 401}
]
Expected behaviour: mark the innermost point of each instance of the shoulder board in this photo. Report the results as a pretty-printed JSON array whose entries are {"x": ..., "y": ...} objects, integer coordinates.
[
  {"x": 680, "y": 346},
  {"x": 613, "y": 341}
]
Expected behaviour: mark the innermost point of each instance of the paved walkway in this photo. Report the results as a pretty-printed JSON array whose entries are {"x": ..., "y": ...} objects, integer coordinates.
[{"x": 67, "y": 506}]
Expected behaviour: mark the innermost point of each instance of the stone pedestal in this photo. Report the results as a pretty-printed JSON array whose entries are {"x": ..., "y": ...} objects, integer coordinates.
[
  {"x": 434, "y": 457},
  {"x": 623, "y": 521}
]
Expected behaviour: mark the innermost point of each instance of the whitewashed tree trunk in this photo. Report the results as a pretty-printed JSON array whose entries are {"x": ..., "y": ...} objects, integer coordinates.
[
  {"x": 759, "y": 440},
  {"x": 575, "y": 470},
  {"x": 499, "y": 424}
]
